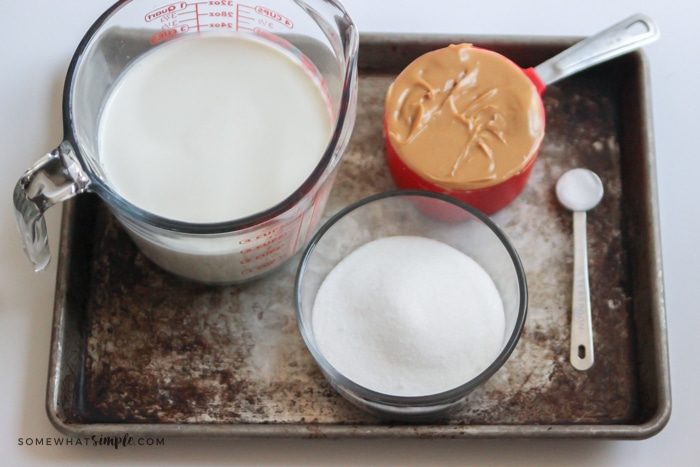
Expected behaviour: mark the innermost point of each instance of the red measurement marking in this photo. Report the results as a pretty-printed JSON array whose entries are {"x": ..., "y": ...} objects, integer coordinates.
[
  {"x": 158, "y": 12},
  {"x": 273, "y": 38},
  {"x": 220, "y": 25},
  {"x": 309, "y": 66},
  {"x": 263, "y": 245},
  {"x": 162, "y": 36},
  {"x": 220, "y": 14},
  {"x": 314, "y": 219},
  {"x": 261, "y": 10},
  {"x": 300, "y": 219},
  {"x": 196, "y": 13},
  {"x": 238, "y": 17},
  {"x": 265, "y": 254}
]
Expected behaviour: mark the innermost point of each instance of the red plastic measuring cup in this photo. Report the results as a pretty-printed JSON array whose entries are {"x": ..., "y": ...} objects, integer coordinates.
[{"x": 623, "y": 37}]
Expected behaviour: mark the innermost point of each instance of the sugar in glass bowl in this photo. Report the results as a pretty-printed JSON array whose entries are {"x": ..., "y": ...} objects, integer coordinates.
[{"x": 423, "y": 214}]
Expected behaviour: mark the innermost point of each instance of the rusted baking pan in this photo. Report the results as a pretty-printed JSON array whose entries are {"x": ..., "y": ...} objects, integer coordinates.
[{"x": 138, "y": 350}]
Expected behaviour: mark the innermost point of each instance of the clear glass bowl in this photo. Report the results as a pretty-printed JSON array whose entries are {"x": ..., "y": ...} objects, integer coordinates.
[{"x": 424, "y": 214}]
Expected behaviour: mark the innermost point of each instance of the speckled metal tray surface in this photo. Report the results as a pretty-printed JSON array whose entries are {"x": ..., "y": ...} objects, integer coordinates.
[{"x": 136, "y": 349}]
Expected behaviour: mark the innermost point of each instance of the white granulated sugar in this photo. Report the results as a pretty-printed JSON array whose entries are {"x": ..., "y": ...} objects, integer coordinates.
[{"x": 408, "y": 316}]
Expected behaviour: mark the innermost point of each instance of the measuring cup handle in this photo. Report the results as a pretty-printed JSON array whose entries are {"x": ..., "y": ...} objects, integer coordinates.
[
  {"x": 54, "y": 178},
  {"x": 625, "y": 36}
]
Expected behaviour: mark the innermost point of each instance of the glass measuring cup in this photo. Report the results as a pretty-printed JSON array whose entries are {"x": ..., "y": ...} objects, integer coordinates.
[{"x": 318, "y": 32}]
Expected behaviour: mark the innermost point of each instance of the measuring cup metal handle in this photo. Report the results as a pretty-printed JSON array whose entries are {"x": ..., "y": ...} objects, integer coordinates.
[
  {"x": 625, "y": 36},
  {"x": 54, "y": 178}
]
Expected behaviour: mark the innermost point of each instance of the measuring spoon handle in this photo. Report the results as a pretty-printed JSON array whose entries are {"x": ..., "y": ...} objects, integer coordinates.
[
  {"x": 581, "y": 352},
  {"x": 625, "y": 36}
]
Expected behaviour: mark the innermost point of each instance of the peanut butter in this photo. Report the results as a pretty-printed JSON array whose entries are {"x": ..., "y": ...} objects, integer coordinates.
[{"x": 464, "y": 118}]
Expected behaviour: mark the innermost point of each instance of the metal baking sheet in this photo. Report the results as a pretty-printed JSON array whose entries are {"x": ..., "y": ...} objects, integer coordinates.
[{"x": 136, "y": 349}]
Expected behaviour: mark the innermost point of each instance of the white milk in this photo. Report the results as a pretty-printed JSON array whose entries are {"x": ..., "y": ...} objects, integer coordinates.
[{"x": 213, "y": 128}]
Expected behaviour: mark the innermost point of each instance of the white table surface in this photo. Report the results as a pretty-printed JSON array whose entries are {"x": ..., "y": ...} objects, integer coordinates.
[{"x": 37, "y": 39}]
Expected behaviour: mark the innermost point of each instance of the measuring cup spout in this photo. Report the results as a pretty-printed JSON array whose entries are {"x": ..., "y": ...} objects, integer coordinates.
[
  {"x": 627, "y": 35},
  {"x": 54, "y": 178}
]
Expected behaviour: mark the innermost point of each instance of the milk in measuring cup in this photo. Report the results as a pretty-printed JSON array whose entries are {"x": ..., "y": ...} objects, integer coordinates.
[
  {"x": 214, "y": 128},
  {"x": 210, "y": 129}
]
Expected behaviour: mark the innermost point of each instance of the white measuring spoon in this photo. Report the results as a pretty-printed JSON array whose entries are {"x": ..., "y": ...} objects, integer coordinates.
[{"x": 580, "y": 190}]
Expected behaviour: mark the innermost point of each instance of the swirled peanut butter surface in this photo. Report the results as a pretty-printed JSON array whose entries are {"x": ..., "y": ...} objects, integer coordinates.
[{"x": 464, "y": 118}]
